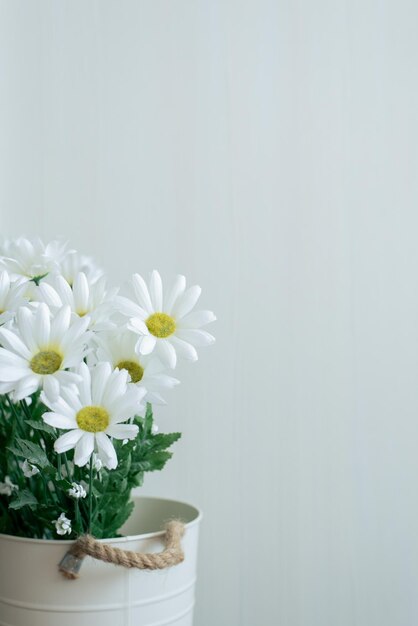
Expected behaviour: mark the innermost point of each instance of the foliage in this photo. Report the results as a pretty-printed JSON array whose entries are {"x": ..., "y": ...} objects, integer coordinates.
[{"x": 38, "y": 500}]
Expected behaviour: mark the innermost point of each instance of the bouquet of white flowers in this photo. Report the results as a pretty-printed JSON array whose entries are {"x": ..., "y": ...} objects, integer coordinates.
[{"x": 80, "y": 368}]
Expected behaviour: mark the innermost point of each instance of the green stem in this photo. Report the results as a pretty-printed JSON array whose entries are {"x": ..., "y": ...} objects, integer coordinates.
[
  {"x": 78, "y": 520},
  {"x": 26, "y": 410},
  {"x": 67, "y": 467},
  {"x": 90, "y": 493},
  {"x": 48, "y": 491},
  {"x": 16, "y": 416},
  {"x": 59, "y": 463}
]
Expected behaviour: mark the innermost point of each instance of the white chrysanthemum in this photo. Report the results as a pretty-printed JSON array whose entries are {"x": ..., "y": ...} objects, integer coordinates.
[
  {"x": 29, "y": 469},
  {"x": 31, "y": 259},
  {"x": 83, "y": 298},
  {"x": 11, "y": 296},
  {"x": 63, "y": 525},
  {"x": 7, "y": 488},
  {"x": 73, "y": 263},
  {"x": 38, "y": 351},
  {"x": 93, "y": 413},
  {"x": 166, "y": 325},
  {"x": 118, "y": 347},
  {"x": 77, "y": 491}
]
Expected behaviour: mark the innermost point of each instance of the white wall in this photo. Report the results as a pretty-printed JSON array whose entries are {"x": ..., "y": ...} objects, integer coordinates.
[{"x": 268, "y": 150}]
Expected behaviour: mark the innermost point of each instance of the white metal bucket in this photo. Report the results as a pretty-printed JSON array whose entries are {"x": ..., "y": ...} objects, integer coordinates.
[{"x": 34, "y": 593}]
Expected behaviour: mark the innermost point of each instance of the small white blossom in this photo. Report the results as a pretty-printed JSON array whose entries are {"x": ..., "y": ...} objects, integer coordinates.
[
  {"x": 154, "y": 429},
  {"x": 97, "y": 463},
  {"x": 7, "y": 488},
  {"x": 28, "y": 469},
  {"x": 77, "y": 491},
  {"x": 63, "y": 525}
]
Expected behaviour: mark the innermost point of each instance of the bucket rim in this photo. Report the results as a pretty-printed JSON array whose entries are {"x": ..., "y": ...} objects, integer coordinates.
[{"x": 124, "y": 539}]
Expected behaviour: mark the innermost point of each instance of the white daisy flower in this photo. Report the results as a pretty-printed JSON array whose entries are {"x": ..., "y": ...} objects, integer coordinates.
[
  {"x": 118, "y": 347},
  {"x": 83, "y": 298},
  {"x": 95, "y": 413},
  {"x": 38, "y": 351},
  {"x": 28, "y": 469},
  {"x": 77, "y": 491},
  {"x": 166, "y": 325},
  {"x": 7, "y": 488},
  {"x": 11, "y": 296},
  {"x": 31, "y": 259},
  {"x": 63, "y": 525},
  {"x": 73, "y": 263}
]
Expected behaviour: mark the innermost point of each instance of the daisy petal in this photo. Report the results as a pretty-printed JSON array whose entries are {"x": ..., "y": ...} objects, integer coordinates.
[
  {"x": 81, "y": 292},
  {"x": 127, "y": 406},
  {"x": 138, "y": 326},
  {"x": 184, "y": 349},
  {"x": 60, "y": 323},
  {"x": 85, "y": 384},
  {"x": 116, "y": 387},
  {"x": 65, "y": 292},
  {"x": 197, "y": 319},
  {"x": 176, "y": 291},
  {"x": 24, "y": 317},
  {"x": 68, "y": 441},
  {"x": 9, "y": 374},
  {"x": 8, "y": 358},
  {"x": 142, "y": 293},
  {"x": 167, "y": 353},
  {"x": 51, "y": 388},
  {"x": 26, "y": 387},
  {"x": 12, "y": 342},
  {"x": 100, "y": 377},
  {"x": 107, "y": 453},
  {"x": 49, "y": 295},
  {"x": 147, "y": 344},
  {"x": 187, "y": 301},
  {"x": 84, "y": 449},
  {"x": 75, "y": 332},
  {"x": 122, "y": 431},
  {"x": 196, "y": 337},
  {"x": 57, "y": 420},
  {"x": 156, "y": 291},
  {"x": 129, "y": 308},
  {"x": 155, "y": 398},
  {"x": 42, "y": 326},
  {"x": 4, "y": 284}
]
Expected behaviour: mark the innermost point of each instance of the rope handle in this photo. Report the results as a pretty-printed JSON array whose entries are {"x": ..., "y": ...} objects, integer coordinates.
[{"x": 89, "y": 546}]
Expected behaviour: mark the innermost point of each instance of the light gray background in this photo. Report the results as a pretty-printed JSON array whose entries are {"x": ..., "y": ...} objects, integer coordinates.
[{"x": 268, "y": 150}]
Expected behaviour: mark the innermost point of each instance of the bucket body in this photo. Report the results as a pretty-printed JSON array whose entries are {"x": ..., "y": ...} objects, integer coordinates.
[{"x": 34, "y": 593}]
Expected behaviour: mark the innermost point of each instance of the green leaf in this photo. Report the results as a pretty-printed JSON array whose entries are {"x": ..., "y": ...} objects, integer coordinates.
[
  {"x": 161, "y": 441},
  {"x": 30, "y": 451},
  {"x": 148, "y": 419},
  {"x": 118, "y": 520},
  {"x": 46, "y": 428},
  {"x": 24, "y": 498},
  {"x": 152, "y": 462},
  {"x": 62, "y": 484}
]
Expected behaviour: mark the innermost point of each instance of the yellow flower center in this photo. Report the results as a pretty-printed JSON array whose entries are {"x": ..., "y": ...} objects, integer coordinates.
[
  {"x": 46, "y": 362},
  {"x": 161, "y": 325},
  {"x": 93, "y": 419},
  {"x": 135, "y": 370}
]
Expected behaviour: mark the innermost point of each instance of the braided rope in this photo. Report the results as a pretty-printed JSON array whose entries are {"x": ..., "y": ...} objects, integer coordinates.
[{"x": 89, "y": 546}]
